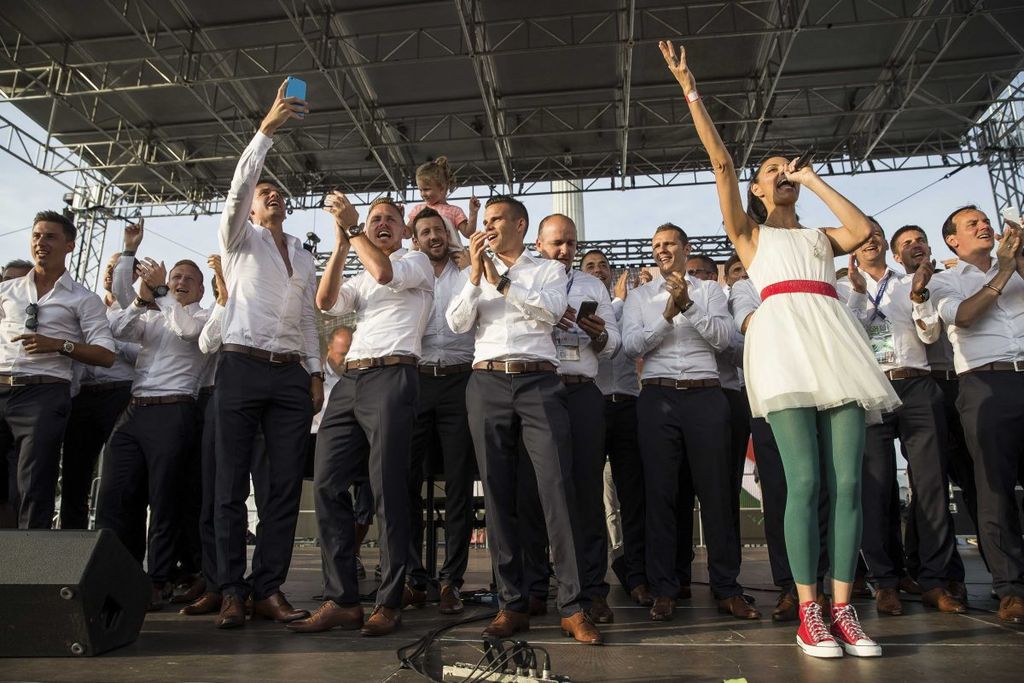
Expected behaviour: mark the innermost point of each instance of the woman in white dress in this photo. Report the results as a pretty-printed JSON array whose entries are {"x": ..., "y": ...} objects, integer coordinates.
[{"x": 808, "y": 366}]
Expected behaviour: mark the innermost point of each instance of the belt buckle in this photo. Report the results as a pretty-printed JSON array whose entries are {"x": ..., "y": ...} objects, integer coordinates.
[
  {"x": 1018, "y": 366},
  {"x": 679, "y": 384},
  {"x": 435, "y": 369},
  {"x": 273, "y": 359}
]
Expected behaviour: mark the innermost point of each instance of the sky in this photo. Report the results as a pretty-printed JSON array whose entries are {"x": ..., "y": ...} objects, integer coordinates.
[{"x": 608, "y": 215}]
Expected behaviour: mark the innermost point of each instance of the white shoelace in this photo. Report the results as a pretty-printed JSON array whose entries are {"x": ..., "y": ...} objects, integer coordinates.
[
  {"x": 815, "y": 623},
  {"x": 846, "y": 618}
]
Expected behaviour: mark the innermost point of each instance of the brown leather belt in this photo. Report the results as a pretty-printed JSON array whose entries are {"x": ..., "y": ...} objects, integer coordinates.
[
  {"x": 575, "y": 379},
  {"x": 206, "y": 391},
  {"x": 26, "y": 380},
  {"x": 381, "y": 362},
  {"x": 104, "y": 387},
  {"x": 143, "y": 401},
  {"x": 999, "y": 366},
  {"x": 947, "y": 375},
  {"x": 262, "y": 354},
  {"x": 432, "y": 370},
  {"x": 681, "y": 383},
  {"x": 514, "y": 367},
  {"x": 906, "y": 373},
  {"x": 619, "y": 398}
]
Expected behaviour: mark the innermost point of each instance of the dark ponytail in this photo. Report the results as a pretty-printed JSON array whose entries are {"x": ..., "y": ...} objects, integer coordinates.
[{"x": 756, "y": 209}]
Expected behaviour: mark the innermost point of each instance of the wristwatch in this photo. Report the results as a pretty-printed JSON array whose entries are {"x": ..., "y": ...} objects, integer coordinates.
[
  {"x": 68, "y": 348},
  {"x": 503, "y": 284},
  {"x": 141, "y": 303},
  {"x": 161, "y": 291},
  {"x": 128, "y": 252},
  {"x": 602, "y": 338},
  {"x": 688, "y": 306},
  {"x": 355, "y": 230},
  {"x": 920, "y": 297}
]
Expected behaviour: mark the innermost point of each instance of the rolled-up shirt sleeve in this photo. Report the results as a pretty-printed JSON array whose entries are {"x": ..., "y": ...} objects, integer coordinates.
[
  {"x": 92, "y": 316},
  {"x": 743, "y": 301},
  {"x": 947, "y": 296},
  {"x": 412, "y": 271},
  {"x": 211, "y": 337},
  {"x": 930, "y": 328}
]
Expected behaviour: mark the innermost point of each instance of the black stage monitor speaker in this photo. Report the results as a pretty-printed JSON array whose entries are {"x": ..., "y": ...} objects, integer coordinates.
[{"x": 68, "y": 593}]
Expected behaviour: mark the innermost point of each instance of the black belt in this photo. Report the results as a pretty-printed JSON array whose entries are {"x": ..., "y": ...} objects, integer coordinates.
[
  {"x": 381, "y": 362},
  {"x": 104, "y": 387},
  {"x": 206, "y": 391},
  {"x": 26, "y": 380},
  {"x": 143, "y": 401},
  {"x": 947, "y": 375},
  {"x": 514, "y": 367},
  {"x": 682, "y": 383},
  {"x": 432, "y": 370},
  {"x": 575, "y": 379},
  {"x": 262, "y": 354},
  {"x": 619, "y": 398}
]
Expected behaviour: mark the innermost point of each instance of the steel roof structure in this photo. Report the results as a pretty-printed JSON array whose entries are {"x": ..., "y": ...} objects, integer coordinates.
[{"x": 147, "y": 104}]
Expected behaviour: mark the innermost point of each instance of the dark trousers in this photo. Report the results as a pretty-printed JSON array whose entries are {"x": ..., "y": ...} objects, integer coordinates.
[
  {"x": 688, "y": 430},
  {"x": 94, "y": 412},
  {"x": 251, "y": 394},
  {"x": 620, "y": 441},
  {"x": 531, "y": 407},
  {"x": 189, "y": 553},
  {"x": 920, "y": 424},
  {"x": 368, "y": 423},
  {"x": 145, "y": 460},
  {"x": 992, "y": 410},
  {"x": 441, "y": 420},
  {"x": 772, "y": 479},
  {"x": 586, "y": 421},
  {"x": 32, "y": 422}
]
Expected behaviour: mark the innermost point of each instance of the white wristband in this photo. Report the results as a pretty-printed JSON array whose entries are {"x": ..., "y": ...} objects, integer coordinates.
[{"x": 692, "y": 96}]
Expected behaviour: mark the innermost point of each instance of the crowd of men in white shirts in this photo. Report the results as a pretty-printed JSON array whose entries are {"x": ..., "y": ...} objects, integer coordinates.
[{"x": 529, "y": 371}]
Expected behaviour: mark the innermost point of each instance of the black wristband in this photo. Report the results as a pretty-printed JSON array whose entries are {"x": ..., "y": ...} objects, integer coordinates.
[
  {"x": 128, "y": 252},
  {"x": 503, "y": 284}
]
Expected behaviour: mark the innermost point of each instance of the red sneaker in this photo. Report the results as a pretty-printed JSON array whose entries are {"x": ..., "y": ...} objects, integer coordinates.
[
  {"x": 813, "y": 636},
  {"x": 847, "y": 631}
]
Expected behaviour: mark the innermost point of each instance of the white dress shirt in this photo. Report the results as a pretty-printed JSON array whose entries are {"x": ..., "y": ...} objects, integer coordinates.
[
  {"x": 684, "y": 348},
  {"x": 210, "y": 340},
  {"x": 267, "y": 309},
  {"x": 895, "y": 314},
  {"x": 331, "y": 377},
  {"x": 617, "y": 375},
  {"x": 730, "y": 362},
  {"x": 441, "y": 346},
  {"x": 998, "y": 335},
  {"x": 169, "y": 357},
  {"x": 586, "y": 287},
  {"x": 518, "y": 325},
  {"x": 743, "y": 300},
  {"x": 69, "y": 311},
  {"x": 390, "y": 318}
]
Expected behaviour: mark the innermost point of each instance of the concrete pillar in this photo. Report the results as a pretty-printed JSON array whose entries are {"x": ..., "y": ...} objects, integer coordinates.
[{"x": 568, "y": 199}]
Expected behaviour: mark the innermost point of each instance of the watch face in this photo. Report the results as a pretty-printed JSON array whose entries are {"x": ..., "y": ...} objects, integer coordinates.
[
  {"x": 68, "y": 347},
  {"x": 355, "y": 230},
  {"x": 161, "y": 290}
]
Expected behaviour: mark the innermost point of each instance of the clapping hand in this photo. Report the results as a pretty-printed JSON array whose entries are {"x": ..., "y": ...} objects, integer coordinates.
[{"x": 857, "y": 281}]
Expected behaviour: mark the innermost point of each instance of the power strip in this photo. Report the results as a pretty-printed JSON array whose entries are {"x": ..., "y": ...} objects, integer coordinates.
[{"x": 459, "y": 672}]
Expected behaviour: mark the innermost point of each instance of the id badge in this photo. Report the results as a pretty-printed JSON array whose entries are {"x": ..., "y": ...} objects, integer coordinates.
[
  {"x": 882, "y": 345},
  {"x": 567, "y": 345}
]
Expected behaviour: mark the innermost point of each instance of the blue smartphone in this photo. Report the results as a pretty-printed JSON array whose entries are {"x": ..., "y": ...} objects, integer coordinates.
[{"x": 296, "y": 88}]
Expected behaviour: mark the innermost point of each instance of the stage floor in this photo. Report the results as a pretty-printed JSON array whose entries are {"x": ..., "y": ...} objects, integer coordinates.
[{"x": 699, "y": 645}]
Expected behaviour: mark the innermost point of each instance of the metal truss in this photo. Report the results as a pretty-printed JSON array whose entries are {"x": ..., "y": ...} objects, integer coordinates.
[{"x": 1000, "y": 137}]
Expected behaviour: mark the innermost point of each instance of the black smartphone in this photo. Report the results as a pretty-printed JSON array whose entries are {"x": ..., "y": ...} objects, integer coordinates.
[
  {"x": 587, "y": 309},
  {"x": 805, "y": 158}
]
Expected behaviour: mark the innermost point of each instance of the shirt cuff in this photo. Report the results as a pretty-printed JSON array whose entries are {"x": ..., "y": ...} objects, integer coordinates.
[
  {"x": 313, "y": 364},
  {"x": 262, "y": 142},
  {"x": 924, "y": 311},
  {"x": 218, "y": 312},
  {"x": 694, "y": 312},
  {"x": 662, "y": 326},
  {"x": 471, "y": 292},
  {"x": 857, "y": 300}
]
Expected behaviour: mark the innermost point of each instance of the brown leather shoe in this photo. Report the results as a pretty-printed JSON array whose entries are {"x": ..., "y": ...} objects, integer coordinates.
[
  {"x": 277, "y": 608},
  {"x": 663, "y": 609},
  {"x": 156, "y": 599},
  {"x": 942, "y": 600},
  {"x": 580, "y": 627},
  {"x": 232, "y": 612},
  {"x": 787, "y": 608},
  {"x": 538, "y": 607},
  {"x": 382, "y": 622},
  {"x": 1011, "y": 609},
  {"x": 958, "y": 590},
  {"x": 738, "y": 607},
  {"x": 887, "y": 601},
  {"x": 642, "y": 596},
  {"x": 600, "y": 612},
  {"x": 685, "y": 593},
  {"x": 910, "y": 586},
  {"x": 192, "y": 593},
  {"x": 413, "y": 597},
  {"x": 327, "y": 616},
  {"x": 860, "y": 588},
  {"x": 507, "y": 624},
  {"x": 451, "y": 601},
  {"x": 207, "y": 603}
]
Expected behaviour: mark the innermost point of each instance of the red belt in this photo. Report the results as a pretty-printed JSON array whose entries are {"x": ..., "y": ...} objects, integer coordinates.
[{"x": 799, "y": 287}]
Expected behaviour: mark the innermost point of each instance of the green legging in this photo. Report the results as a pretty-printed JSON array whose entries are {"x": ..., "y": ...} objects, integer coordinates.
[{"x": 836, "y": 436}]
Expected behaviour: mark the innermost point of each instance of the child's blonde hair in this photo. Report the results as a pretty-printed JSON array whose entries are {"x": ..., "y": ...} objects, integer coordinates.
[{"x": 438, "y": 171}]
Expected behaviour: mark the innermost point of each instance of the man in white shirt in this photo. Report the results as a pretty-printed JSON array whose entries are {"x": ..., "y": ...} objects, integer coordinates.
[
  {"x": 269, "y": 332},
  {"x": 889, "y": 307},
  {"x": 581, "y": 343},
  {"x": 370, "y": 417},
  {"x": 445, "y": 366},
  {"x": 981, "y": 302},
  {"x": 513, "y": 303},
  {"x": 619, "y": 384},
  {"x": 676, "y": 324},
  {"x": 47, "y": 321},
  {"x": 102, "y": 395},
  {"x": 145, "y": 458}
]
